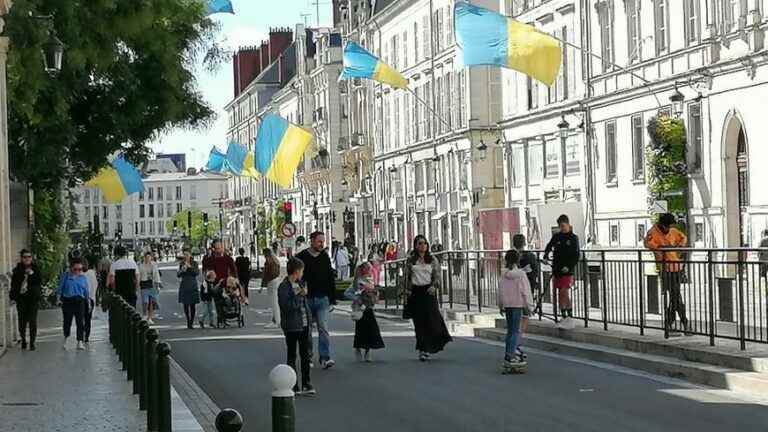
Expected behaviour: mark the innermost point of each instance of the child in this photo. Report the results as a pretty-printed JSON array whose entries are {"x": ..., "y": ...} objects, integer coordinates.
[
  {"x": 565, "y": 247},
  {"x": 529, "y": 263},
  {"x": 206, "y": 296},
  {"x": 367, "y": 333},
  {"x": 234, "y": 289},
  {"x": 294, "y": 320},
  {"x": 514, "y": 298}
]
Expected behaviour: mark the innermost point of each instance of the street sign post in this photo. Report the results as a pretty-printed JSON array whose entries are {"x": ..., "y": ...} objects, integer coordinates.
[
  {"x": 658, "y": 207},
  {"x": 288, "y": 230}
]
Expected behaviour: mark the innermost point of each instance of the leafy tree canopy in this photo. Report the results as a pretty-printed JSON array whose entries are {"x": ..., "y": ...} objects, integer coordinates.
[
  {"x": 199, "y": 231},
  {"x": 127, "y": 76}
]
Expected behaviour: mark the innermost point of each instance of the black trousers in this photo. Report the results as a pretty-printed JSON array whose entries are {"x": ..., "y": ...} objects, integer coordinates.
[
  {"x": 302, "y": 340},
  {"x": 671, "y": 283},
  {"x": 73, "y": 307},
  {"x": 189, "y": 313},
  {"x": 87, "y": 315},
  {"x": 244, "y": 281},
  {"x": 27, "y": 311}
]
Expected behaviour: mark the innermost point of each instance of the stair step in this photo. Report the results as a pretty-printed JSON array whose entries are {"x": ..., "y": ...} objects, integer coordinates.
[{"x": 755, "y": 383}]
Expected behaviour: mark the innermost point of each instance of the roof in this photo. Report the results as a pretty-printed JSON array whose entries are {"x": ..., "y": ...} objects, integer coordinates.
[
  {"x": 180, "y": 176},
  {"x": 380, "y": 5}
]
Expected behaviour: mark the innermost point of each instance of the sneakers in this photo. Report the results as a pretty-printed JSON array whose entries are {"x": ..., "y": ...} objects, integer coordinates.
[
  {"x": 64, "y": 345},
  {"x": 327, "y": 364},
  {"x": 23, "y": 344},
  {"x": 514, "y": 363},
  {"x": 32, "y": 346},
  {"x": 358, "y": 355},
  {"x": 202, "y": 324},
  {"x": 80, "y": 346},
  {"x": 521, "y": 355},
  {"x": 271, "y": 326},
  {"x": 423, "y": 356},
  {"x": 308, "y": 390},
  {"x": 150, "y": 322},
  {"x": 368, "y": 356}
]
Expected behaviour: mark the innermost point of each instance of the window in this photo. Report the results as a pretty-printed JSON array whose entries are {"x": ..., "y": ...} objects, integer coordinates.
[
  {"x": 168, "y": 195},
  {"x": 572, "y": 161},
  {"x": 405, "y": 49},
  {"x": 141, "y": 211},
  {"x": 691, "y": 15},
  {"x": 694, "y": 137},
  {"x": 160, "y": 210},
  {"x": 119, "y": 227},
  {"x": 395, "y": 48},
  {"x": 106, "y": 229},
  {"x": 448, "y": 26},
  {"x": 614, "y": 234},
  {"x": 425, "y": 38},
  {"x": 638, "y": 148},
  {"x": 640, "y": 233},
  {"x": 150, "y": 194},
  {"x": 415, "y": 43},
  {"x": 734, "y": 14},
  {"x": 605, "y": 19},
  {"x": 105, "y": 212},
  {"x": 550, "y": 156},
  {"x": 661, "y": 22},
  {"x": 87, "y": 213},
  {"x": 141, "y": 196},
  {"x": 160, "y": 194},
  {"x": 517, "y": 166},
  {"x": 178, "y": 207},
  {"x": 142, "y": 228},
  {"x": 461, "y": 114},
  {"x": 448, "y": 99},
  {"x": 396, "y": 121},
  {"x": 135, "y": 228},
  {"x": 96, "y": 195},
  {"x": 610, "y": 152},
  {"x": 169, "y": 210},
  {"x": 535, "y": 164},
  {"x": 160, "y": 227},
  {"x": 634, "y": 38},
  {"x": 178, "y": 192},
  {"x": 87, "y": 196},
  {"x": 437, "y": 25},
  {"x": 151, "y": 227},
  {"x": 532, "y": 93},
  {"x": 698, "y": 232},
  {"x": 118, "y": 212},
  {"x": 151, "y": 210},
  {"x": 192, "y": 192}
]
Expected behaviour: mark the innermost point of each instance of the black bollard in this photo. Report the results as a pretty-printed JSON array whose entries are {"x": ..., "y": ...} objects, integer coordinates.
[
  {"x": 125, "y": 317},
  {"x": 150, "y": 387},
  {"x": 229, "y": 420},
  {"x": 164, "y": 388},
  {"x": 138, "y": 348},
  {"x": 283, "y": 378},
  {"x": 110, "y": 318},
  {"x": 133, "y": 321},
  {"x": 119, "y": 329}
]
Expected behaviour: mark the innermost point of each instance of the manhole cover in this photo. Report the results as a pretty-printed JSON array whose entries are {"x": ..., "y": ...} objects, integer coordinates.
[{"x": 21, "y": 404}]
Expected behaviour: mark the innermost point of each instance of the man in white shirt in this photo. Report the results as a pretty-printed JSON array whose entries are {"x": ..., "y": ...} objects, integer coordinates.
[{"x": 124, "y": 276}]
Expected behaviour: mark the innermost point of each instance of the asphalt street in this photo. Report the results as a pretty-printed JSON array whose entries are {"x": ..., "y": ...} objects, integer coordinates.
[{"x": 460, "y": 390}]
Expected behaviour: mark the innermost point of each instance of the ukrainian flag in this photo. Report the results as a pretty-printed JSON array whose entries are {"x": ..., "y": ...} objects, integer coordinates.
[
  {"x": 489, "y": 38},
  {"x": 216, "y": 161},
  {"x": 218, "y": 6},
  {"x": 118, "y": 181},
  {"x": 359, "y": 63},
  {"x": 279, "y": 149},
  {"x": 239, "y": 162}
]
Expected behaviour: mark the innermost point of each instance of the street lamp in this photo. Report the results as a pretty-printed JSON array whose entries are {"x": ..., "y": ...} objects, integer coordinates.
[
  {"x": 677, "y": 100},
  {"x": 563, "y": 127},
  {"x": 482, "y": 149},
  {"x": 324, "y": 158},
  {"x": 53, "y": 53},
  {"x": 393, "y": 169}
]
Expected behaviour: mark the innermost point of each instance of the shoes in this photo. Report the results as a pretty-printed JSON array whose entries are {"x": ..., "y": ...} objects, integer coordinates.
[
  {"x": 423, "y": 356},
  {"x": 311, "y": 364},
  {"x": 514, "y": 363},
  {"x": 64, "y": 345},
  {"x": 202, "y": 324},
  {"x": 368, "y": 356},
  {"x": 271, "y": 326},
  {"x": 32, "y": 346},
  {"x": 296, "y": 390},
  {"x": 521, "y": 355},
  {"x": 308, "y": 390},
  {"x": 688, "y": 331},
  {"x": 327, "y": 364},
  {"x": 150, "y": 322},
  {"x": 80, "y": 346},
  {"x": 358, "y": 354},
  {"x": 23, "y": 344}
]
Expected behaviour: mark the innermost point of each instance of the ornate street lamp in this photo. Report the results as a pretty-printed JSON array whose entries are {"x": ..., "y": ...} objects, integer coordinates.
[
  {"x": 482, "y": 149},
  {"x": 677, "y": 100},
  {"x": 53, "y": 53},
  {"x": 563, "y": 127},
  {"x": 393, "y": 169}
]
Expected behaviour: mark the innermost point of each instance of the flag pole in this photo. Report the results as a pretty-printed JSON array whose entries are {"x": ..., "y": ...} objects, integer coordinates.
[{"x": 428, "y": 107}]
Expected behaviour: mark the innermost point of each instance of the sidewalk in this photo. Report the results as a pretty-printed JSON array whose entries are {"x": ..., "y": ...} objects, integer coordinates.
[{"x": 55, "y": 390}]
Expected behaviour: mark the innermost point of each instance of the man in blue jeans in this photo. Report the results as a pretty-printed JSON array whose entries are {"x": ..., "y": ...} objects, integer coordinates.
[{"x": 321, "y": 287}]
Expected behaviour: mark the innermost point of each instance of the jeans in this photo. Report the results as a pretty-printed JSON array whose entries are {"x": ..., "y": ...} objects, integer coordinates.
[
  {"x": 73, "y": 307},
  {"x": 207, "y": 313},
  {"x": 318, "y": 306},
  {"x": 272, "y": 287},
  {"x": 302, "y": 339},
  {"x": 513, "y": 331}
]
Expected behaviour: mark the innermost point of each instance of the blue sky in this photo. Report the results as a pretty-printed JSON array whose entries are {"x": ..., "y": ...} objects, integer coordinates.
[{"x": 249, "y": 26}]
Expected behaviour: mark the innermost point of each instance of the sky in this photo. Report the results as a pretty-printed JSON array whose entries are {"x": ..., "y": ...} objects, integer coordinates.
[{"x": 249, "y": 26}]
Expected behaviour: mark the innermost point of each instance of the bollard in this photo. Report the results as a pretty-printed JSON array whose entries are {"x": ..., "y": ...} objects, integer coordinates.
[
  {"x": 150, "y": 384},
  {"x": 133, "y": 320},
  {"x": 283, "y": 378},
  {"x": 163, "y": 388},
  {"x": 119, "y": 329},
  {"x": 124, "y": 334},
  {"x": 110, "y": 319},
  {"x": 229, "y": 420},
  {"x": 138, "y": 348},
  {"x": 136, "y": 321}
]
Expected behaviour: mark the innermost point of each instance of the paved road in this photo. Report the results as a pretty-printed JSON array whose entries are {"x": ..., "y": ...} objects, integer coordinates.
[{"x": 461, "y": 390}]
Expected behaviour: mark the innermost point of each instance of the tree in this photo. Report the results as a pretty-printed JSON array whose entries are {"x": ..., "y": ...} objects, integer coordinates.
[
  {"x": 199, "y": 232},
  {"x": 127, "y": 76},
  {"x": 667, "y": 169}
]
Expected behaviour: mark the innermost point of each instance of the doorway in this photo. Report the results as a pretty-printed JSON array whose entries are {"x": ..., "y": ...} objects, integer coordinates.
[{"x": 737, "y": 191}]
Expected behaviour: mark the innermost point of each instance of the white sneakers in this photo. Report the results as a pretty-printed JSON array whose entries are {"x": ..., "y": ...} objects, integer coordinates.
[
  {"x": 358, "y": 354},
  {"x": 567, "y": 324},
  {"x": 64, "y": 345},
  {"x": 80, "y": 346}
]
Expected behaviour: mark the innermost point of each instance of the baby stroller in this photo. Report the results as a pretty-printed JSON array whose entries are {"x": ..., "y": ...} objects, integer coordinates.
[{"x": 228, "y": 309}]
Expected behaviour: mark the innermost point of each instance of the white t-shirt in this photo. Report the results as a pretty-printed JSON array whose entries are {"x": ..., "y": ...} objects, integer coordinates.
[
  {"x": 93, "y": 283},
  {"x": 421, "y": 274},
  {"x": 123, "y": 264}
]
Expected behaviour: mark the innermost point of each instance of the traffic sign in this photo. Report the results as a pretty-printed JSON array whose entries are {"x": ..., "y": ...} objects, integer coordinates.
[
  {"x": 288, "y": 230},
  {"x": 658, "y": 206}
]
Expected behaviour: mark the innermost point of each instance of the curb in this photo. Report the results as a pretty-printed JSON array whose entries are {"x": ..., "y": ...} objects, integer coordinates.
[{"x": 199, "y": 403}]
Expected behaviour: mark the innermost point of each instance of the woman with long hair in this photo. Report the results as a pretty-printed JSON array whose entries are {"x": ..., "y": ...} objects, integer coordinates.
[
  {"x": 189, "y": 296},
  {"x": 422, "y": 285},
  {"x": 149, "y": 282}
]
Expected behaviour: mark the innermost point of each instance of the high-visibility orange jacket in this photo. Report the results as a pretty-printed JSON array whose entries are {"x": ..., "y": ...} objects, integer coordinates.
[{"x": 656, "y": 240}]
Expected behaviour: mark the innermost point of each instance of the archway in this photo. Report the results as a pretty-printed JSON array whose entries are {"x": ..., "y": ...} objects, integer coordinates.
[{"x": 736, "y": 190}]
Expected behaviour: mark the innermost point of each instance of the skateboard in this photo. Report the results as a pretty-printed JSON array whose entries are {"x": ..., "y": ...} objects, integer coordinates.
[{"x": 509, "y": 369}]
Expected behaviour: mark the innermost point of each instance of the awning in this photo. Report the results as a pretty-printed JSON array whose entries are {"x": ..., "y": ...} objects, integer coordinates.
[{"x": 439, "y": 216}]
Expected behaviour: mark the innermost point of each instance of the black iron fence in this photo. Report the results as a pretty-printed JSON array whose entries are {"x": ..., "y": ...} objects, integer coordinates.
[{"x": 724, "y": 291}]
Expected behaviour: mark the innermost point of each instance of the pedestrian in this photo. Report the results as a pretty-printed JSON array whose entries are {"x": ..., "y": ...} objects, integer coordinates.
[
  {"x": 220, "y": 262},
  {"x": 271, "y": 280},
  {"x": 149, "y": 282},
  {"x": 514, "y": 300},
  {"x": 301, "y": 244},
  {"x": 341, "y": 259},
  {"x": 375, "y": 261},
  {"x": 763, "y": 255},
  {"x": 90, "y": 303},
  {"x": 529, "y": 263},
  {"x": 367, "y": 333},
  {"x": 295, "y": 322},
  {"x": 321, "y": 290},
  {"x": 663, "y": 235},
  {"x": 207, "y": 290},
  {"x": 188, "y": 293},
  {"x": 72, "y": 294},
  {"x": 243, "y": 265},
  {"x": 564, "y": 246},
  {"x": 422, "y": 284},
  {"x": 275, "y": 248},
  {"x": 102, "y": 269},
  {"x": 26, "y": 290},
  {"x": 123, "y": 276}
]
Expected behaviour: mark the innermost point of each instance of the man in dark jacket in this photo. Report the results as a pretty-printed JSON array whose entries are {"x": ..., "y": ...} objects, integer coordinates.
[
  {"x": 243, "y": 264},
  {"x": 26, "y": 291},
  {"x": 564, "y": 246},
  {"x": 321, "y": 288}
]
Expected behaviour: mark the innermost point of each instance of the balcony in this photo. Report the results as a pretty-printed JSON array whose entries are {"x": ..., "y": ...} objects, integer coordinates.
[{"x": 358, "y": 139}]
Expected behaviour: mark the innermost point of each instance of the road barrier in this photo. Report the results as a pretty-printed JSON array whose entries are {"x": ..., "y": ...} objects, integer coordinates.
[
  {"x": 146, "y": 361},
  {"x": 724, "y": 291}
]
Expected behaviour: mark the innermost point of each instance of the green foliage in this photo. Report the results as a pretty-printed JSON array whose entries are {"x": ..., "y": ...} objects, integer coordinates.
[
  {"x": 667, "y": 168},
  {"x": 199, "y": 232},
  {"x": 127, "y": 76},
  {"x": 263, "y": 228},
  {"x": 49, "y": 238},
  {"x": 278, "y": 219}
]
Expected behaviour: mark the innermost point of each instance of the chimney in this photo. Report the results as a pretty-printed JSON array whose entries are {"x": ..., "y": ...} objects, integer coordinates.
[
  {"x": 264, "y": 54},
  {"x": 279, "y": 39},
  {"x": 246, "y": 67}
]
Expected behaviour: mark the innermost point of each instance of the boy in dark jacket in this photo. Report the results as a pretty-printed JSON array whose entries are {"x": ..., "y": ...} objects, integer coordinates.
[
  {"x": 294, "y": 319},
  {"x": 564, "y": 246}
]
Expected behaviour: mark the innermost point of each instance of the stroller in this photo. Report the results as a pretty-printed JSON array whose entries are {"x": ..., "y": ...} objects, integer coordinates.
[{"x": 228, "y": 308}]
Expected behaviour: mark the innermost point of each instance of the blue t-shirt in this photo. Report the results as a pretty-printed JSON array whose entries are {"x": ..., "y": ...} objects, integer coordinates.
[{"x": 73, "y": 286}]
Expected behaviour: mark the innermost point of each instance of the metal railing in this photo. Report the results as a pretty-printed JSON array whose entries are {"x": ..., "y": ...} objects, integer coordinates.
[{"x": 724, "y": 291}]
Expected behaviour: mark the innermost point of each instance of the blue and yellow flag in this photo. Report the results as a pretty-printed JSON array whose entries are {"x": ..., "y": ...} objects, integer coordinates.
[
  {"x": 216, "y": 161},
  {"x": 359, "y": 63},
  {"x": 489, "y": 38},
  {"x": 118, "y": 181},
  {"x": 239, "y": 162},
  {"x": 279, "y": 149},
  {"x": 219, "y": 6}
]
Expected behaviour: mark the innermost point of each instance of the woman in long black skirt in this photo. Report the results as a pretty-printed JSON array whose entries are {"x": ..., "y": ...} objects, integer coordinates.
[
  {"x": 422, "y": 285},
  {"x": 367, "y": 333}
]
